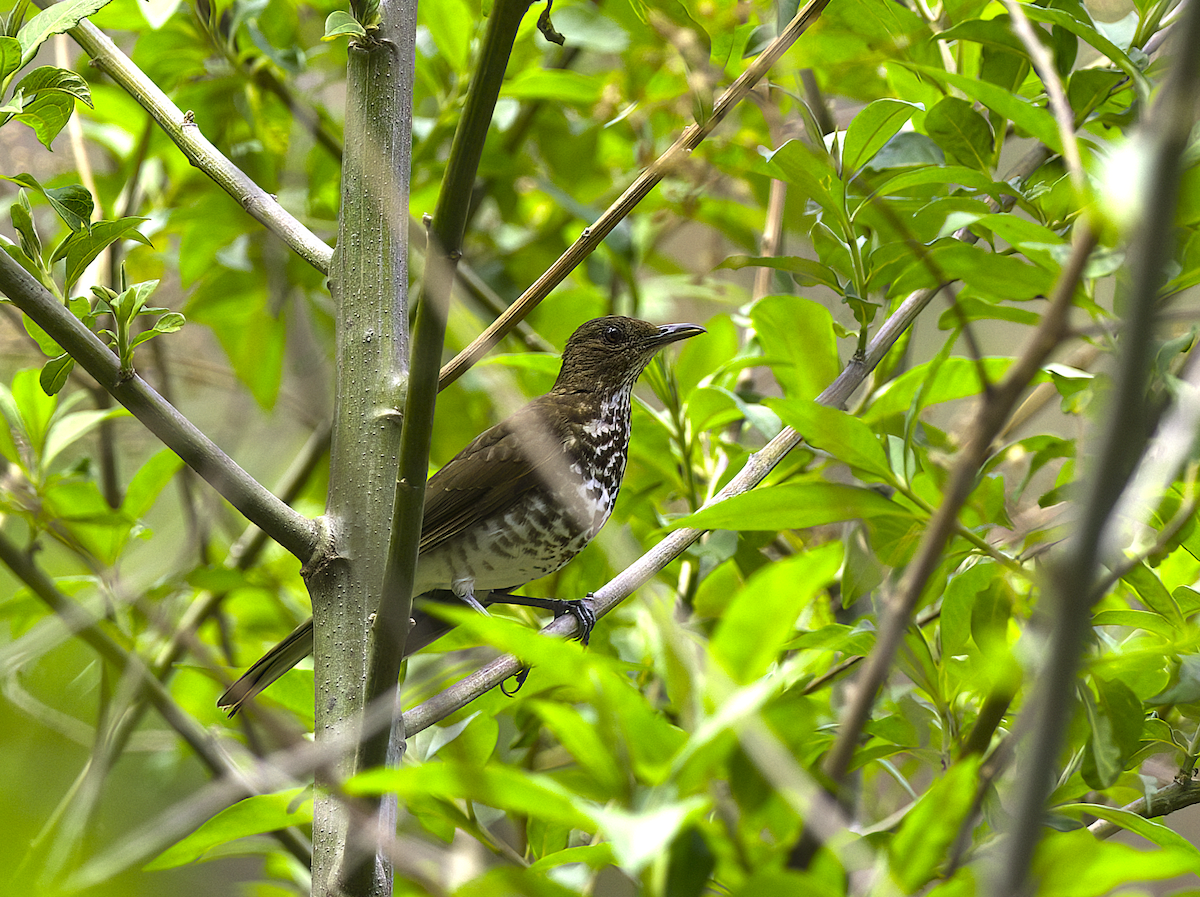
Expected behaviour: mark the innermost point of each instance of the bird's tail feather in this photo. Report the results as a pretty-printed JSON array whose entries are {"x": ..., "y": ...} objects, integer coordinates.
[{"x": 289, "y": 652}]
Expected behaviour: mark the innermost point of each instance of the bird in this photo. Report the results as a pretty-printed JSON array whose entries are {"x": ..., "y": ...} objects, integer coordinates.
[{"x": 524, "y": 497}]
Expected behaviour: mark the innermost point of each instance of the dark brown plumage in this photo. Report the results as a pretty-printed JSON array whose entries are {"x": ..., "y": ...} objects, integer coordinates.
[{"x": 526, "y": 495}]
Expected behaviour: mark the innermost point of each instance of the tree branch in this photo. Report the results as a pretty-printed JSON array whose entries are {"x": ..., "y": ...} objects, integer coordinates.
[
  {"x": 1071, "y": 586},
  {"x": 185, "y": 133},
  {"x": 290, "y": 529},
  {"x": 594, "y": 235}
]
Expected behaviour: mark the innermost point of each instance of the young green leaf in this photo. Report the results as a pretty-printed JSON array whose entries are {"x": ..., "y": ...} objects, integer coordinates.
[{"x": 871, "y": 128}]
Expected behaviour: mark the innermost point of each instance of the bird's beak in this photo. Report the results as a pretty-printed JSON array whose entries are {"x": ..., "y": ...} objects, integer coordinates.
[{"x": 673, "y": 333}]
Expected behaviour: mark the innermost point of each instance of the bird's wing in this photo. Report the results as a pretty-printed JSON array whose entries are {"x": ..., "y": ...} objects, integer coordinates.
[{"x": 521, "y": 453}]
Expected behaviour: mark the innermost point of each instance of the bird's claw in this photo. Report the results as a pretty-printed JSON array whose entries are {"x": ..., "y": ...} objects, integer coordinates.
[
  {"x": 520, "y": 675},
  {"x": 583, "y": 612}
]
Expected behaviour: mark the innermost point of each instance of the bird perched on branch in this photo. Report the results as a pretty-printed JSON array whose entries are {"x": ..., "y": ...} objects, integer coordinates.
[{"x": 527, "y": 495}]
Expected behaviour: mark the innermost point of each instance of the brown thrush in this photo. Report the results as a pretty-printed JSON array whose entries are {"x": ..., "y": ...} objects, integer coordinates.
[{"x": 526, "y": 496}]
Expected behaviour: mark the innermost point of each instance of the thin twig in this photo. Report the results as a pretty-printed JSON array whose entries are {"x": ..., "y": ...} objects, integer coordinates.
[
  {"x": 593, "y": 235},
  {"x": 185, "y": 132},
  {"x": 990, "y": 418}
]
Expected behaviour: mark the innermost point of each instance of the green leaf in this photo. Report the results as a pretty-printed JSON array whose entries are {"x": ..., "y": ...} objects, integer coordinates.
[
  {"x": 793, "y": 506},
  {"x": 73, "y": 203},
  {"x": 954, "y": 378},
  {"x": 82, "y": 247},
  {"x": 10, "y": 56},
  {"x": 995, "y": 32},
  {"x": 1153, "y": 594},
  {"x": 1090, "y": 35},
  {"x": 22, "y": 219},
  {"x": 871, "y": 128},
  {"x": 47, "y": 113},
  {"x": 52, "y": 79},
  {"x": 989, "y": 274},
  {"x": 930, "y": 828},
  {"x": 761, "y": 618},
  {"x": 254, "y": 815},
  {"x": 1034, "y": 119},
  {"x": 805, "y": 272},
  {"x": 41, "y": 337},
  {"x": 55, "y": 373},
  {"x": 340, "y": 23},
  {"x": 1185, "y": 689},
  {"x": 1116, "y": 719},
  {"x": 942, "y": 174},
  {"x": 810, "y": 170},
  {"x": 962, "y": 133},
  {"x": 969, "y": 308},
  {"x": 797, "y": 336},
  {"x": 832, "y": 430},
  {"x": 55, "y": 19}
]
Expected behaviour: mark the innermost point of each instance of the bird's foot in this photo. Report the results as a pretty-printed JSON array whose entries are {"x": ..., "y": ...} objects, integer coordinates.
[
  {"x": 583, "y": 612},
  {"x": 520, "y": 675},
  {"x": 579, "y": 608}
]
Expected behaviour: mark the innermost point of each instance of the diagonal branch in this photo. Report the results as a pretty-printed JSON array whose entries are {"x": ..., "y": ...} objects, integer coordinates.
[
  {"x": 657, "y": 558},
  {"x": 185, "y": 132},
  {"x": 988, "y": 422},
  {"x": 292, "y": 530},
  {"x": 594, "y": 235}
]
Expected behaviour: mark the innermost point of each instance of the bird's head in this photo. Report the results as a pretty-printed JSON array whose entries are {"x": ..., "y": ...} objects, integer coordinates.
[{"x": 609, "y": 353}]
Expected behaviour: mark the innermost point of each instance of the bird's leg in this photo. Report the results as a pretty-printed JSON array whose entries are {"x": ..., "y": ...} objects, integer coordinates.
[
  {"x": 580, "y": 609},
  {"x": 465, "y": 592}
]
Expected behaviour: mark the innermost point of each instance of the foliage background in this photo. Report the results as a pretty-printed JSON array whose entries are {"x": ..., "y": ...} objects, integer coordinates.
[{"x": 690, "y": 740}]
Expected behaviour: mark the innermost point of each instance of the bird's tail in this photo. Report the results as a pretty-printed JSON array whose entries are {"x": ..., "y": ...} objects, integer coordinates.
[
  {"x": 289, "y": 652},
  {"x": 299, "y": 644}
]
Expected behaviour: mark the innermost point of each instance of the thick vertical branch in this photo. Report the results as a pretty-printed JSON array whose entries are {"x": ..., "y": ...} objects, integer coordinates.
[
  {"x": 444, "y": 249},
  {"x": 368, "y": 280}
]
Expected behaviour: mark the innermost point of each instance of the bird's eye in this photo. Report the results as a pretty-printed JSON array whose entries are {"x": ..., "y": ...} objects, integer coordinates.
[{"x": 612, "y": 334}]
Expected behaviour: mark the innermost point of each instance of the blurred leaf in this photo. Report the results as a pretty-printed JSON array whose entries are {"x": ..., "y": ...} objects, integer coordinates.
[
  {"x": 253, "y": 815},
  {"x": 690, "y": 863},
  {"x": 71, "y": 427},
  {"x": 451, "y": 25},
  {"x": 792, "y": 506},
  {"x": 930, "y": 829},
  {"x": 1076, "y": 864},
  {"x": 494, "y": 785},
  {"x": 762, "y": 616},
  {"x": 148, "y": 483}
]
